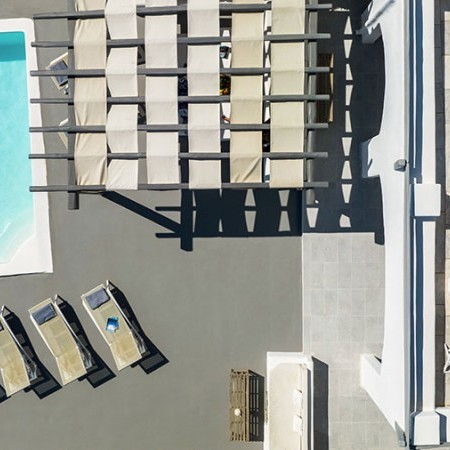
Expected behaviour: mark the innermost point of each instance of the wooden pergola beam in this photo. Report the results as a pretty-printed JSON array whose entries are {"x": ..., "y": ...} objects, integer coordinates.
[
  {"x": 119, "y": 43},
  {"x": 165, "y": 128},
  {"x": 203, "y": 99},
  {"x": 168, "y": 187},
  {"x": 90, "y": 73},
  {"x": 188, "y": 156},
  {"x": 227, "y": 8}
]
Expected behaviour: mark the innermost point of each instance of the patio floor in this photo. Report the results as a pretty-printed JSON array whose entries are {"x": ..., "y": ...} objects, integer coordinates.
[{"x": 222, "y": 305}]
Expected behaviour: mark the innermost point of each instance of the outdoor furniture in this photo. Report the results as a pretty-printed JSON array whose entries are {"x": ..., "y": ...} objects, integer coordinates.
[
  {"x": 17, "y": 370},
  {"x": 126, "y": 346},
  {"x": 63, "y": 134},
  {"x": 71, "y": 356},
  {"x": 60, "y": 63},
  {"x": 246, "y": 410}
]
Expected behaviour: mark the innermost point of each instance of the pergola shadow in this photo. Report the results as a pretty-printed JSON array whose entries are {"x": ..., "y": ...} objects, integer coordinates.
[
  {"x": 223, "y": 214},
  {"x": 351, "y": 203}
]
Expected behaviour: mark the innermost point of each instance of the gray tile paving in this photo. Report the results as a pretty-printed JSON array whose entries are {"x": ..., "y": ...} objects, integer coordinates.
[{"x": 344, "y": 311}]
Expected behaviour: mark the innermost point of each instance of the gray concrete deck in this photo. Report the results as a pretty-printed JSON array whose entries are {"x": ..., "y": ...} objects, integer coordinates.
[{"x": 221, "y": 306}]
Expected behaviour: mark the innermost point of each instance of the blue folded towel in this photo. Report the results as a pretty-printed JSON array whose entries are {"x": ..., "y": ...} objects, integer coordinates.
[{"x": 112, "y": 324}]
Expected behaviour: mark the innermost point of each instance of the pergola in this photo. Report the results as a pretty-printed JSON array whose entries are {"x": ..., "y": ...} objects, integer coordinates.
[{"x": 125, "y": 62}]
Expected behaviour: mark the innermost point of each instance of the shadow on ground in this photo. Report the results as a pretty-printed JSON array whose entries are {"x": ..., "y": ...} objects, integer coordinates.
[
  {"x": 153, "y": 358},
  {"x": 350, "y": 203},
  {"x": 99, "y": 373},
  {"x": 321, "y": 389},
  {"x": 225, "y": 214}
]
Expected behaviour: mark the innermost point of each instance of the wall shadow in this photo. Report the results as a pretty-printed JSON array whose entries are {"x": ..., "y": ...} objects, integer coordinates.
[
  {"x": 321, "y": 388},
  {"x": 153, "y": 358},
  {"x": 45, "y": 384},
  {"x": 99, "y": 373},
  {"x": 351, "y": 203}
]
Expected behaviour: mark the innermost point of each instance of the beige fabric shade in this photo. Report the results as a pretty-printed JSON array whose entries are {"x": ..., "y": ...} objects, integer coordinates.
[
  {"x": 90, "y": 149},
  {"x": 13, "y": 370},
  {"x": 161, "y": 96},
  {"x": 122, "y": 136},
  {"x": 288, "y": 71},
  {"x": 121, "y": 75},
  {"x": 89, "y": 44},
  {"x": 246, "y": 106},
  {"x": 122, "y": 344},
  {"x": 203, "y": 79},
  {"x": 61, "y": 343},
  {"x": 90, "y": 101},
  {"x": 246, "y": 95},
  {"x": 121, "y": 18},
  {"x": 121, "y": 72},
  {"x": 90, "y": 96},
  {"x": 89, "y": 5}
]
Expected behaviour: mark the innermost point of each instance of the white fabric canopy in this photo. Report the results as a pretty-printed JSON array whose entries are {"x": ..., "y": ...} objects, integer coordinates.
[
  {"x": 90, "y": 101},
  {"x": 89, "y": 5},
  {"x": 287, "y": 119},
  {"x": 161, "y": 96},
  {"x": 121, "y": 72},
  {"x": 203, "y": 79},
  {"x": 121, "y": 18},
  {"x": 89, "y": 44},
  {"x": 122, "y": 135},
  {"x": 90, "y": 158},
  {"x": 246, "y": 95},
  {"x": 90, "y": 149},
  {"x": 90, "y": 97}
]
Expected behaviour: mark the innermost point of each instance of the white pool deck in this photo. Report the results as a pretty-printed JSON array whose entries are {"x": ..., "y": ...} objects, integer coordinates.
[{"x": 34, "y": 255}]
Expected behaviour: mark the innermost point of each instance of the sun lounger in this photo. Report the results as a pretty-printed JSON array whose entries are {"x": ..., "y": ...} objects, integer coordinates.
[
  {"x": 125, "y": 343},
  {"x": 72, "y": 357},
  {"x": 17, "y": 370},
  {"x": 60, "y": 63}
]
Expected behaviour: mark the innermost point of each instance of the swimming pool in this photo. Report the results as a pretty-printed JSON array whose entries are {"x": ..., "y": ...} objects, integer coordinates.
[
  {"x": 16, "y": 202},
  {"x": 25, "y": 245}
]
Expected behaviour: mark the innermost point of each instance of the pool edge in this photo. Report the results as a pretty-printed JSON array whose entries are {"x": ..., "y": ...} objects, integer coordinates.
[{"x": 34, "y": 255}]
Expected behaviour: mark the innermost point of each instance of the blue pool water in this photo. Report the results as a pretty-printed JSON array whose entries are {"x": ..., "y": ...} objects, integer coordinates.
[{"x": 16, "y": 202}]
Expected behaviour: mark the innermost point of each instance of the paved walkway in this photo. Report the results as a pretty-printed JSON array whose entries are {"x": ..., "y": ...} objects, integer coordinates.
[{"x": 343, "y": 253}]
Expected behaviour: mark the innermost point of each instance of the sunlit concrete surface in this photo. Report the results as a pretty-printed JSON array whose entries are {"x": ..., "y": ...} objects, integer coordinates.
[{"x": 222, "y": 305}]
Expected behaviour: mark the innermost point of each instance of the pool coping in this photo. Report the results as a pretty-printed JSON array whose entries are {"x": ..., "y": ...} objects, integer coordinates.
[{"x": 34, "y": 255}]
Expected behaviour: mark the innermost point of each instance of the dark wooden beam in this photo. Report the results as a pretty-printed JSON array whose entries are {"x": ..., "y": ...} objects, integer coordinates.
[
  {"x": 143, "y": 11},
  {"x": 89, "y": 73},
  {"x": 120, "y": 43},
  {"x": 204, "y": 99},
  {"x": 168, "y": 187},
  {"x": 165, "y": 128},
  {"x": 189, "y": 156}
]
